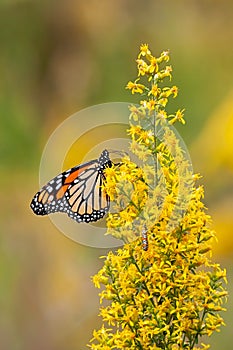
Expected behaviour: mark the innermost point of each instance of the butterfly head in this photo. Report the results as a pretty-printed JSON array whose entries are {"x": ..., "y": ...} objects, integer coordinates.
[{"x": 104, "y": 160}]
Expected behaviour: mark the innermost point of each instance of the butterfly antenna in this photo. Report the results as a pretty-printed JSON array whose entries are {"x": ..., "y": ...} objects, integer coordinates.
[{"x": 120, "y": 153}]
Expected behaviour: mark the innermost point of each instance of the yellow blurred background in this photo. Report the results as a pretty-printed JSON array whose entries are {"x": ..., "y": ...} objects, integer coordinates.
[{"x": 58, "y": 57}]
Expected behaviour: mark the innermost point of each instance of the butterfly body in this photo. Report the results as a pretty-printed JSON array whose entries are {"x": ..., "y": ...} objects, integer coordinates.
[
  {"x": 78, "y": 192},
  {"x": 145, "y": 244}
]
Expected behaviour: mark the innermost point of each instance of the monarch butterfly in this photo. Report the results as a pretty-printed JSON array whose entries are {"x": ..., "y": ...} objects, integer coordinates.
[
  {"x": 145, "y": 243},
  {"x": 77, "y": 192}
]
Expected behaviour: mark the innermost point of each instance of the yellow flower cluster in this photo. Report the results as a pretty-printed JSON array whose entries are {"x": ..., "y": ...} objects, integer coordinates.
[
  {"x": 157, "y": 97},
  {"x": 169, "y": 294},
  {"x": 163, "y": 298},
  {"x": 127, "y": 189}
]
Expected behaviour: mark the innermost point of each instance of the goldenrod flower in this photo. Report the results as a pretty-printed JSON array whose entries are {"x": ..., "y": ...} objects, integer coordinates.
[
  {"x": 143, "y": 67},
  {"x": 179, "y": 116},
  {"x": 144, "y": 51},
  {"x": 153, "y": 67},
  {"x": 135, "y": 87},
  {"x": 155, "y": 91},
  {"x": 170, "y": 294}
]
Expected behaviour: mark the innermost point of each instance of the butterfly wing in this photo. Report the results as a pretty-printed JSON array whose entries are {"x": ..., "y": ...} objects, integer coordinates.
[
  {"x": 86, "y": 197},
  {"x": 77, "y": 192}
]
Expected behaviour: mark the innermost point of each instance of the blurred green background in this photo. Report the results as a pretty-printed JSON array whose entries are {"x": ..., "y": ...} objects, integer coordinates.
[{"x": 58, "y": 57}]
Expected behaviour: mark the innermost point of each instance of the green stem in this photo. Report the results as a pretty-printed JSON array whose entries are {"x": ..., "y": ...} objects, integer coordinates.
[
  {"x": 155, "y": 151},
  {"x": 144, "y": 283},
  {"x": 198, "y": 333},
  {"x": 133, "y": 329}
]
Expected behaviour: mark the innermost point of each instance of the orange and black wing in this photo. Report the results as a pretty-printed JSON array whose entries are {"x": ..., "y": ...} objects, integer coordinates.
[{"x": 78, "y": 192}]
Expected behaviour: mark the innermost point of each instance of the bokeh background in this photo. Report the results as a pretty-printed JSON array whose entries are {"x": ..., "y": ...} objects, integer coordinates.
[{"x": 56, "y": 58}]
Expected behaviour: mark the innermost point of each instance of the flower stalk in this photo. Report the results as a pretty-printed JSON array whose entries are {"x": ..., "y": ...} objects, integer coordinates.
[{"x": 163, "y": 292}]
